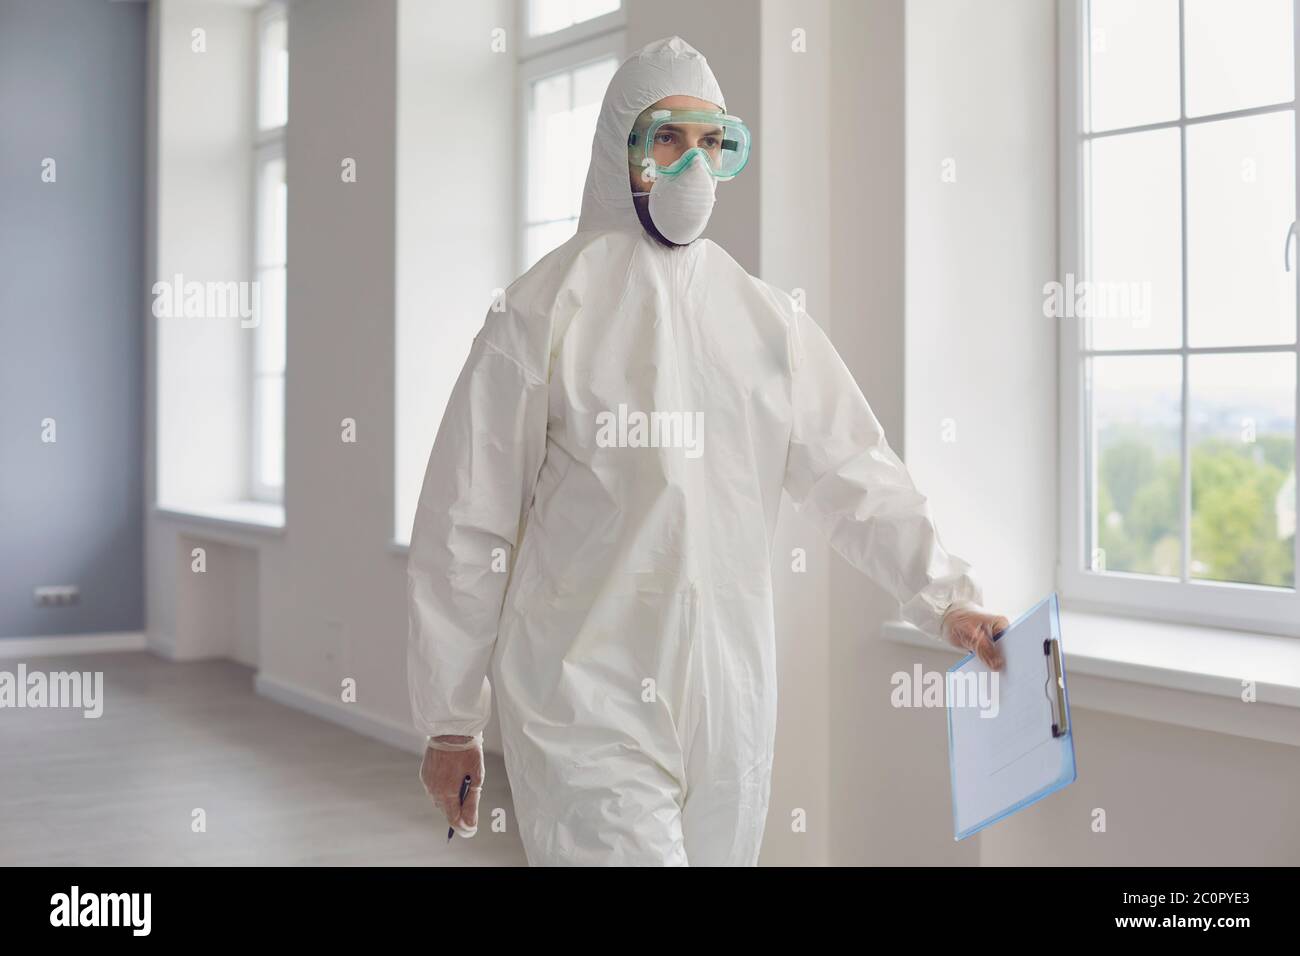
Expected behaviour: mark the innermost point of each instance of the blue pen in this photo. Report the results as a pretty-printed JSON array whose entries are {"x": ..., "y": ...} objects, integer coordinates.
[{"x": 464, "y": 789}]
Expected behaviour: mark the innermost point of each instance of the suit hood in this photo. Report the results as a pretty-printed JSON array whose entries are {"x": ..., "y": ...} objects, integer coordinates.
[{"x": 669, "y": 67}]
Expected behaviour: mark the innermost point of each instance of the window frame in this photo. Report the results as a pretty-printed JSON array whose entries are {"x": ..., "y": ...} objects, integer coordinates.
[
  {"x": 564, "y": 50},
  {"x": 1222, "y": 604},
  {"x": 268, "y": 147}
]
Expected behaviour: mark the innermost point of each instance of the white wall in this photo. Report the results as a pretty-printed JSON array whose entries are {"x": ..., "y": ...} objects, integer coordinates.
[
  {"x": 918, "y": 79},
  {"x": 456, "y": 174},
  {"x": 795, "y": 254},
  {"x": 981, "y": 358},
  {"x": 976, "y": 354},
  {"x": 217, "y": 611},
  {"x": 333, "y": 596},
  {"x": 1172, "y": 796},
  {"x": 890, "y": 775},
  {"x": 199, "y": 197}
]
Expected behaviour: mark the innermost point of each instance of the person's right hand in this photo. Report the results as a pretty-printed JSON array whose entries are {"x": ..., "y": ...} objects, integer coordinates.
[
  {"x": 447, "y": 760},
  {"x": 973, "y": 629}
]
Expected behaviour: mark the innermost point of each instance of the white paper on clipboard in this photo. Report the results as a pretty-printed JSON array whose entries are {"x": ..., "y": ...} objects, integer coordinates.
[{"x": 1013, "y": 753}]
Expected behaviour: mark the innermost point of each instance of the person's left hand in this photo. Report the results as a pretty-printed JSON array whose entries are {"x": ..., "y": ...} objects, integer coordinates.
[{"x": 972, "y": 629}]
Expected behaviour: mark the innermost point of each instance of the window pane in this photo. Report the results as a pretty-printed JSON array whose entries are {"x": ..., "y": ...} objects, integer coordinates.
[
  {"x": 1133, "y": 62},
  {"x": 547, "y": 16},
  {"x": 1242, "y": 433},
  {"x": 561, "y": 123},
  {"x": 1240, "y": 203},
  {"x": 1134, "y": 294},
  {"x": 1239, "y": 54},
  {"x": 1136, "y": 464},
  {"x": 270, "y": 330},
  {"x": 589, "y": 85},
  {"x": 273, "y": 75},
  {"x": 590, "y": 9},
  {"x": 551, "y": 152},
  {"x": 268, "y": 396},
  {"x": 273, "y": 203}
]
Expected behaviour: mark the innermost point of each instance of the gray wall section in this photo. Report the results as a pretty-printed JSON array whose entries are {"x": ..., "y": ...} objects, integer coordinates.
[{"x": 72, "y": 310}]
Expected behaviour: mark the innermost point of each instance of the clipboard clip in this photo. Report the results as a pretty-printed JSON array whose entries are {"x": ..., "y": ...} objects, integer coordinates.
[{"x": 1056, "y": 677}]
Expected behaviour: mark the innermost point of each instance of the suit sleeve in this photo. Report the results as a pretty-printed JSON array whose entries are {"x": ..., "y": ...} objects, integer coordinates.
[
  {"x": 841, "y": 471},
  {"x": 477, "y": 490}
]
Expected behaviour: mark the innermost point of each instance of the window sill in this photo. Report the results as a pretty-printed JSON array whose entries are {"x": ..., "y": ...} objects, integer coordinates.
[
  {"x": 1172, "y": 673},
  {"x": 257, "y": 517}
]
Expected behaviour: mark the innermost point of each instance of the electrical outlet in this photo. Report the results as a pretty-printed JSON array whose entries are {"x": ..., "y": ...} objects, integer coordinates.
[{"x": 58, "y": 595}]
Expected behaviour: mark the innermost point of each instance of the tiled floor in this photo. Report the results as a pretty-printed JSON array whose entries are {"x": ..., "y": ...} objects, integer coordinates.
[{"x": 278, "y": 786}]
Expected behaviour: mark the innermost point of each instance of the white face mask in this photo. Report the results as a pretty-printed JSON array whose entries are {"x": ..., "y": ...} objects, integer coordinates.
[{"x": 680, "y": 205}]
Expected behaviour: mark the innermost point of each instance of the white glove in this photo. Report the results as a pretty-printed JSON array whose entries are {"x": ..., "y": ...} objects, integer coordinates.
[
  {"x": 971, "y": 628},
  {"x": 447, "y": 761}
]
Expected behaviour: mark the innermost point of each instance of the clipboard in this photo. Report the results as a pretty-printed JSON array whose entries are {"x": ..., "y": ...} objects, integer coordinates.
[{"x": 1010, "y": 741}]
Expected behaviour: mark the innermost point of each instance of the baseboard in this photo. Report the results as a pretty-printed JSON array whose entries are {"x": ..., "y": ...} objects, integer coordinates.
[
  {"x": 60, "y": 645},
  {"x": 165, "y": 648},
  {"x": 336, "y": 712}
]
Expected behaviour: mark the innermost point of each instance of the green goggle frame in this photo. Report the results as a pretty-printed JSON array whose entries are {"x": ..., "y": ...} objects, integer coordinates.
[{"x": 725, "y": 149}]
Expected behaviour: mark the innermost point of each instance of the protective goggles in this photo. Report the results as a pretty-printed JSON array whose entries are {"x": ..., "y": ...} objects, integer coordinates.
[{"x": 667, "y": 142}]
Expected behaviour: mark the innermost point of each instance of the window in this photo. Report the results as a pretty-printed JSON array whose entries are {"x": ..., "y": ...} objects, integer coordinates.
[
  {"x": 1178, "y": 304},
  {"x": 561, "y": 90},
  {"x": 266, "y": 458}
]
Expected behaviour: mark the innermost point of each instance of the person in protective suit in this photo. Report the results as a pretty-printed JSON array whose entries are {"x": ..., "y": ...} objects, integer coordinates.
[{"x": 597, "y": 519}]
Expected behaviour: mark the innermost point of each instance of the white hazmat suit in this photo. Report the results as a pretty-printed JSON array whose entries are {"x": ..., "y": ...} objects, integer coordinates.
[{"x": 597, "y": 519}]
